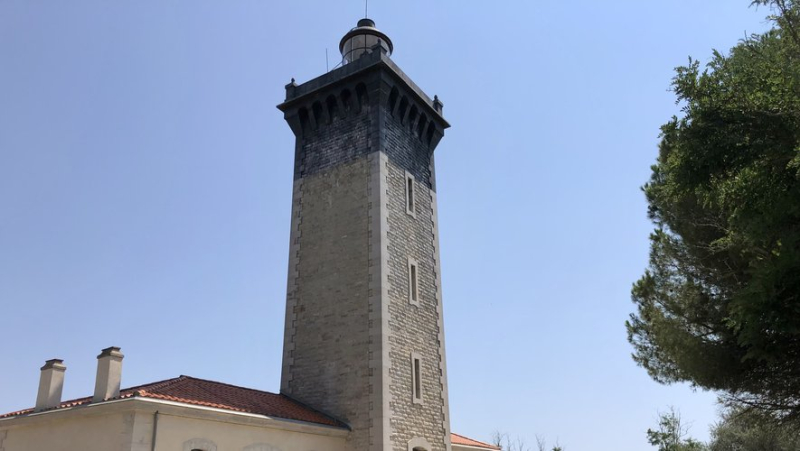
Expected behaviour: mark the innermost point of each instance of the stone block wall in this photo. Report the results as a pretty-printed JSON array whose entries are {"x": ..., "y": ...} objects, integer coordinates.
[
  {"x": 350, "y": 328},
  {"x": 413, "y": 328},
  {"x": 326, "y": 343}
]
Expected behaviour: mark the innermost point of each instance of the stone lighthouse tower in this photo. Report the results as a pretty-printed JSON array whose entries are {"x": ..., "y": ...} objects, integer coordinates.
[{"x": 364, "y": 338}]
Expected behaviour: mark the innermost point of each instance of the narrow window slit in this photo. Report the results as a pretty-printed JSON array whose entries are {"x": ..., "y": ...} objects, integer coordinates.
[
  {"x": 416, "y": 376},
  {"x": 413, "y": 282},
  {"x": 410, "y": 194}
]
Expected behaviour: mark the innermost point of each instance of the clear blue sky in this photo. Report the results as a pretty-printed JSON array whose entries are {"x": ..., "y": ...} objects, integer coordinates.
[{"x": 146, "y": 176}]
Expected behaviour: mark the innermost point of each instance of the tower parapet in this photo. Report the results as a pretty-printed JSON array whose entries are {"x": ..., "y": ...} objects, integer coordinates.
[{"x": 348, "y": 88}]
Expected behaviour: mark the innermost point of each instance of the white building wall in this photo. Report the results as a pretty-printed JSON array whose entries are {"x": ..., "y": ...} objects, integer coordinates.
[
  {"x": 128, "y": 426},
  {"x": 68, "y": 433}
]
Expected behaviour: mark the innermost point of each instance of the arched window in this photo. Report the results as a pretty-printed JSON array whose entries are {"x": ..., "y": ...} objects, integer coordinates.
[
  {"x": 418, "y": 444},
  {"x": 199, "y": 444}
]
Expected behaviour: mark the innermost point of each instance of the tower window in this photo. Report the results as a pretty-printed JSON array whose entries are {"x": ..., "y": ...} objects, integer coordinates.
[
  {"x": 413, "y": 284},
  {"x": 410, "y": 194},
  {"x": 416, "y": 375},
  {"x": 199, "y": 444}
]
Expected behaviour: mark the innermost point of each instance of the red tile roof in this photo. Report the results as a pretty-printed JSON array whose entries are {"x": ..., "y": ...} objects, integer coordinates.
[
  {"x": 200, "y": 392},
  {"x": 466, "y": 441}
]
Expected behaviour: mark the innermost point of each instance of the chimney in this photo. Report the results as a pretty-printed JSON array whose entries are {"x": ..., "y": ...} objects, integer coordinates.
[
  {"x": 109, "y": 374},
  {"x": 51, "y": 383}
]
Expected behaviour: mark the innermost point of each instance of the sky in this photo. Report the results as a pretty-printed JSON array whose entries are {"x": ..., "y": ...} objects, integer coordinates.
[{"x": 146, "y": 179}]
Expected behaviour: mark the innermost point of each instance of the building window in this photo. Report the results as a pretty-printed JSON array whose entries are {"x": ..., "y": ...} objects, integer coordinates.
[
  {"x": 418, "y": 444},
  {"x": 410, "y": 194},
  {"x": 416, "y": 378},
  {"x": 199, "y": 444},
  {"x": 413, "y": 282}
]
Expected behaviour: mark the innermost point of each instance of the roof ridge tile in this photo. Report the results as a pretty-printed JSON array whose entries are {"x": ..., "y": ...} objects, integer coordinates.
[{"x": 203, "y": 392}]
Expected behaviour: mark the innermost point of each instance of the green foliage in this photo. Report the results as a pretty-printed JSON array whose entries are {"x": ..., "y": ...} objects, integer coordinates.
[
  {"x": 746, "y": 430},
  {"x": 670, "y": 434},
  {"x": 740, "y": 429},
  {"x": 719, "y": 305}
]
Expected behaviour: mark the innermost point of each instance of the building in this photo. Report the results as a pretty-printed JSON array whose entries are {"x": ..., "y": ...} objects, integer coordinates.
[{"x": 364, "y": 363}]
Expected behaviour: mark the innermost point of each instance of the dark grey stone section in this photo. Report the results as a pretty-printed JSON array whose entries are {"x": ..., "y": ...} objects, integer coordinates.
[
  {"x": 332, "y": 115},
  {"x": 296, "y": 94},
  {"x": 407, "y": 151}
]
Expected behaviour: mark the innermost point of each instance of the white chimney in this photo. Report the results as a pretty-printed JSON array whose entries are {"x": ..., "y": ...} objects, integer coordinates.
[
  {"x": 109, "y": 374},
  {"x": 51, "y": 384}
]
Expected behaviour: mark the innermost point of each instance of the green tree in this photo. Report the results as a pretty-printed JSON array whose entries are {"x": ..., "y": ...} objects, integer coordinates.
[
  {"x": 671, "y": 434},
  {"x": 744, "y": 429},
  {"x": 719, "y": 305}
]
